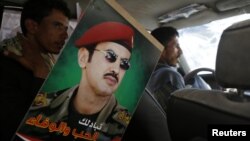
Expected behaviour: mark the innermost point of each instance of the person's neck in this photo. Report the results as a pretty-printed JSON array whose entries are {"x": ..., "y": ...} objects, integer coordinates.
[
  {"x": 163, "y": 62},
  {"x": 32, "y": 41},
  {"x": 87, "y": 102}
]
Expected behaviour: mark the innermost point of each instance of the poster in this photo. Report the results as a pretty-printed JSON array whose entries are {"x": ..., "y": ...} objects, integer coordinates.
[{"x": 84, "y": 98}]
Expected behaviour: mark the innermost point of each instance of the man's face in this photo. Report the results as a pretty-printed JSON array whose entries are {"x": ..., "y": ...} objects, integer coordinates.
[
  {"x": 51, "y": 32},
  {"x": 172, "y": 52},
  {"x": 102, "y": 75}
]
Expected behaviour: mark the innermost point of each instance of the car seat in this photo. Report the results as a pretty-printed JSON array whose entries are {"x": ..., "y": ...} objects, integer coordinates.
[
  {"x": 192, "y": 112},
  {"x": 149, "y": 122}
]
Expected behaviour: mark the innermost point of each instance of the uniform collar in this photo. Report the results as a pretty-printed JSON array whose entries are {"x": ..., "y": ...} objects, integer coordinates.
[{"x": 64, "y": 99}]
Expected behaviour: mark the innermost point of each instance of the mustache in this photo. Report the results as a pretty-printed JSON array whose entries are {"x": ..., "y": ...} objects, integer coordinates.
[{"x": 112, "y": 74}]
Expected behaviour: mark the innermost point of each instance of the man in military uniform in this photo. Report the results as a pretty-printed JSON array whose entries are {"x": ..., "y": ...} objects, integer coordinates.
[{"x": 88, "y": 111}]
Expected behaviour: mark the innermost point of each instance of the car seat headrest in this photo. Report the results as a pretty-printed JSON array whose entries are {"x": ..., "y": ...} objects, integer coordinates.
[{"x": 233, "y": 57}]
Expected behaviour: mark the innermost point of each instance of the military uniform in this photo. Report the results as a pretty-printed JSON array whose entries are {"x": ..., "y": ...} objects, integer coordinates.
[
  {"x": 53, "y": 116},
  {"x": 14, "y": 46},
  {"x": 113, "y": 118}
]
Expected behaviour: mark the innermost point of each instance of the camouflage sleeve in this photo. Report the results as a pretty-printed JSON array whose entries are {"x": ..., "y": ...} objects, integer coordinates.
[{"x": 12, "y": 45}]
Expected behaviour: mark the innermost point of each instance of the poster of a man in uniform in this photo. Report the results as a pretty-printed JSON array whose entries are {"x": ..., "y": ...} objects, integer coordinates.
[{"x": 94, "y": 88}]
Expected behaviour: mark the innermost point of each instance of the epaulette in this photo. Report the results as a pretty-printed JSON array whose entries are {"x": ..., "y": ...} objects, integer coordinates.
[
  {"x": 40, "y": 100},
  {"x": 123, "y": 117},
  {"x": 44, "y": 99}
]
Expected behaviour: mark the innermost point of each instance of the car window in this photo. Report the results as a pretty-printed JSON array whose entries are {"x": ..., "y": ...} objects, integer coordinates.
[
  {"x": 11, "y": 23},
  {"x": 199, "y": 43}
]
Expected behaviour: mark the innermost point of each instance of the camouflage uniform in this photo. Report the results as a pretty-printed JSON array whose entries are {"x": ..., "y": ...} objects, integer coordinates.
[
  {"x": 55, "y": 107},
  {"x": 13, "y": 45}
]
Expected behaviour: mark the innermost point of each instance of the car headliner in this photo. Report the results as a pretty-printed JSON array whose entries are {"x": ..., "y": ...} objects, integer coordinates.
[{"x": 147, "y": 12}]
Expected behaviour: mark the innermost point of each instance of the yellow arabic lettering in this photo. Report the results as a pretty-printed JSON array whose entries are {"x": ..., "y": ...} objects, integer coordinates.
[
  {"x": 86, "y": 136},
  {"x": 95, "y": 136},
  {"x": 77, "y": 135},
  {"x": 43, "y": 124},
  {"x": 66, "y": 131},
  {"x": 52, "y": 127},
  {"x": 62, "y": 127},
  {"x": 31, "y": 121}
]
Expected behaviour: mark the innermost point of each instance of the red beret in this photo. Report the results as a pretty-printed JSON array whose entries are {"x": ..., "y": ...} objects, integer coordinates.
[{"x": 107, "y": 31}]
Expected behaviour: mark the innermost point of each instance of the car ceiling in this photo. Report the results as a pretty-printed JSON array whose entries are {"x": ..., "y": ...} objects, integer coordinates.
[
  {"x": 146, "y": 12},
  {"x": 71, "y": 4}
]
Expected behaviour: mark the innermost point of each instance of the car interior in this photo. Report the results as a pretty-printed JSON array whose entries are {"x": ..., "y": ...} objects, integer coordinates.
[
  {"x": 185, "y": 119},
  {"x": 219, "y": 93},
  {"x": 201, "y": 108}
]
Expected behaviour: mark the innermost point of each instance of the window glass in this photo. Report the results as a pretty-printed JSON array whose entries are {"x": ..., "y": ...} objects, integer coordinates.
[
  {"x": 199, "y": 43},
  {"x": 10, "y": 23}
]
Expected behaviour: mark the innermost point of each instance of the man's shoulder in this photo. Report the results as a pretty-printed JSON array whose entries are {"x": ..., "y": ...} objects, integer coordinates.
[
  {"x": 44, "y": 99},
  {"x": 9, "y": 63},
  {"x": 12, "y": 44},
  {"x": 166, "y": 75},
  {"x": 167, "y": 71},
  {"x": 119, "y": 120}
]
